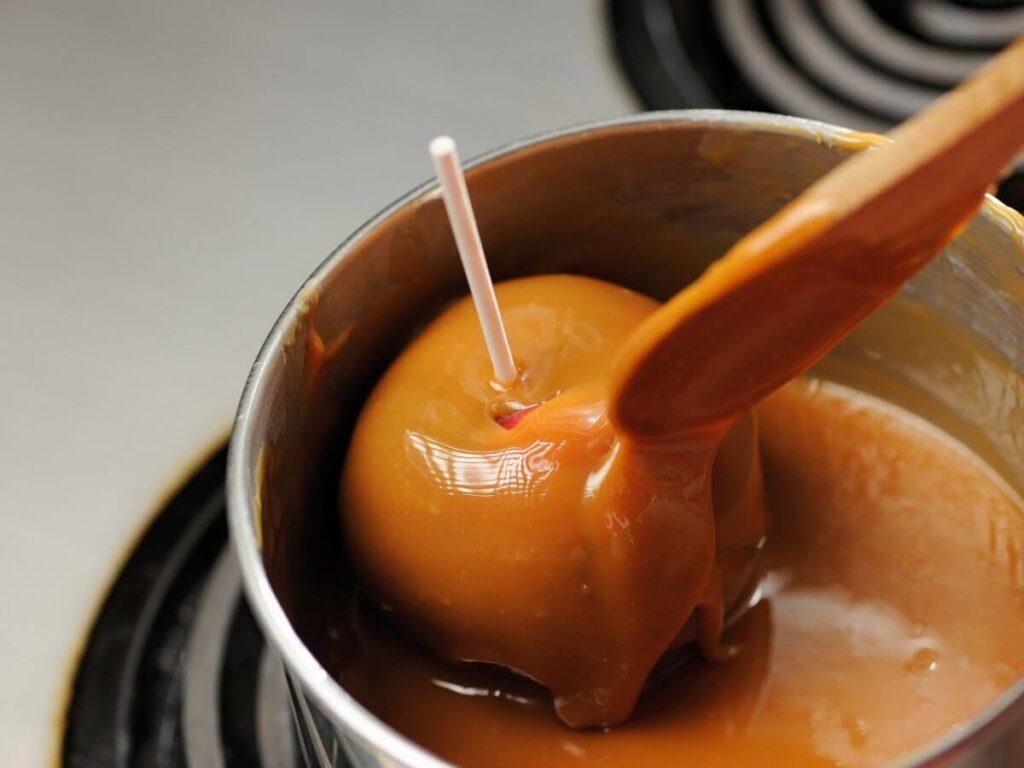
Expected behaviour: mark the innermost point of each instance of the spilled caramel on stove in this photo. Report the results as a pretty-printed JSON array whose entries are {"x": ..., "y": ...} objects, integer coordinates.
[
  {"x": 560, "y": 547},
  {"x": 891, "y": 614}
]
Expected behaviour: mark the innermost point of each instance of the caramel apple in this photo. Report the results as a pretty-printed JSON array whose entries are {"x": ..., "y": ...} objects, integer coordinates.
[{"x": 517, "y": 526}]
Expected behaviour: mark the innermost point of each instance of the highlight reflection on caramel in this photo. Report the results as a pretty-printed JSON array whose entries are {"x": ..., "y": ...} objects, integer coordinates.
[{"x": 558, "y": 548}]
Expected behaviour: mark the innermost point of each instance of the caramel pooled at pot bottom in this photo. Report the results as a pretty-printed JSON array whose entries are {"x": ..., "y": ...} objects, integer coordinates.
[
  {"x": 892, "y": 613},
  {"x": 556, "y": 548}
]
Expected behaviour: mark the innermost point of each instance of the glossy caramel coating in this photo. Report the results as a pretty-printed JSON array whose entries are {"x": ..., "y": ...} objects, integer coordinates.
[{"x": 557, "y": 548}]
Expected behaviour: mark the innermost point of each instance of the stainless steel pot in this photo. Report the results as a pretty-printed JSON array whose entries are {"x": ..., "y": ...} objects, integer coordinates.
[{"x": 648, "y": 202}]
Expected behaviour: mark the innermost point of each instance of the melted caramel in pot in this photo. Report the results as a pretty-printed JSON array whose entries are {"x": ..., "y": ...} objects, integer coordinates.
[{"x": 891, "y": 614}]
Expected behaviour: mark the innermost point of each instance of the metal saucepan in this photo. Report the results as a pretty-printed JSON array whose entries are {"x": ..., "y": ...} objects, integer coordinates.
[{"x": 647, "y": 202}]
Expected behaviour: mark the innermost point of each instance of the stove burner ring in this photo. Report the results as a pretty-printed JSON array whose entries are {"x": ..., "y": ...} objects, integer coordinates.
[
  {"x": 202, "y": 679},
  {"x": 862, "y": 63},
  {"x": 174, "y": 671},
  {"x": 865, "y": 64}
]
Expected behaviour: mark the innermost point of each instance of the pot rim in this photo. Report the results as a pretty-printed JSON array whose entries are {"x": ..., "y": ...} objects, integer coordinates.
[{"x": 336, "y": 703}]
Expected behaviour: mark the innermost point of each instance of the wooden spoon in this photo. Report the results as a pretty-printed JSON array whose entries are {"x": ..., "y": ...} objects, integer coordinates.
[{"x": 789, "y": 291}]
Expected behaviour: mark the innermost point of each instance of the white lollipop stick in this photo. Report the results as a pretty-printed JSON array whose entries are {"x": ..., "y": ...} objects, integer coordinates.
[{"x": 471, "y": 251}]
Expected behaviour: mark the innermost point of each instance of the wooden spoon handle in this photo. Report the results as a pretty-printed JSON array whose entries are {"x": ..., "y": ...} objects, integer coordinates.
[{"x": 783, "y": 296}]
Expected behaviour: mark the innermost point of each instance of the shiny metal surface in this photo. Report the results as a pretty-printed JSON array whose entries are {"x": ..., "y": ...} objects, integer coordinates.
[
  {"x": 647, "y": 202},
  {"x": 201, "y": 721}
]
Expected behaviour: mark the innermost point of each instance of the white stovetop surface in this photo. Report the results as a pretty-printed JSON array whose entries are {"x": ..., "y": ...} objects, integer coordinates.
[{"x": 169, "y": 173}]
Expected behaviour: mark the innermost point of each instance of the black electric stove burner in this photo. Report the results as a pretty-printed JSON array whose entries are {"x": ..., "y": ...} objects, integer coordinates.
[
  {"x": 866, "y": 64},
  {"x": 175, "y": 672}
]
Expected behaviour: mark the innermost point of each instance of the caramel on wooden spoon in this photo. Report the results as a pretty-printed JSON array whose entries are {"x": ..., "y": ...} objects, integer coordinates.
[{"x": 785, "y": 294}]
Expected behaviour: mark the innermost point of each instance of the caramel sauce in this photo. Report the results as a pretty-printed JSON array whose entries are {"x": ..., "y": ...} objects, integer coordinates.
[{"x": 891, "y": 612}]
